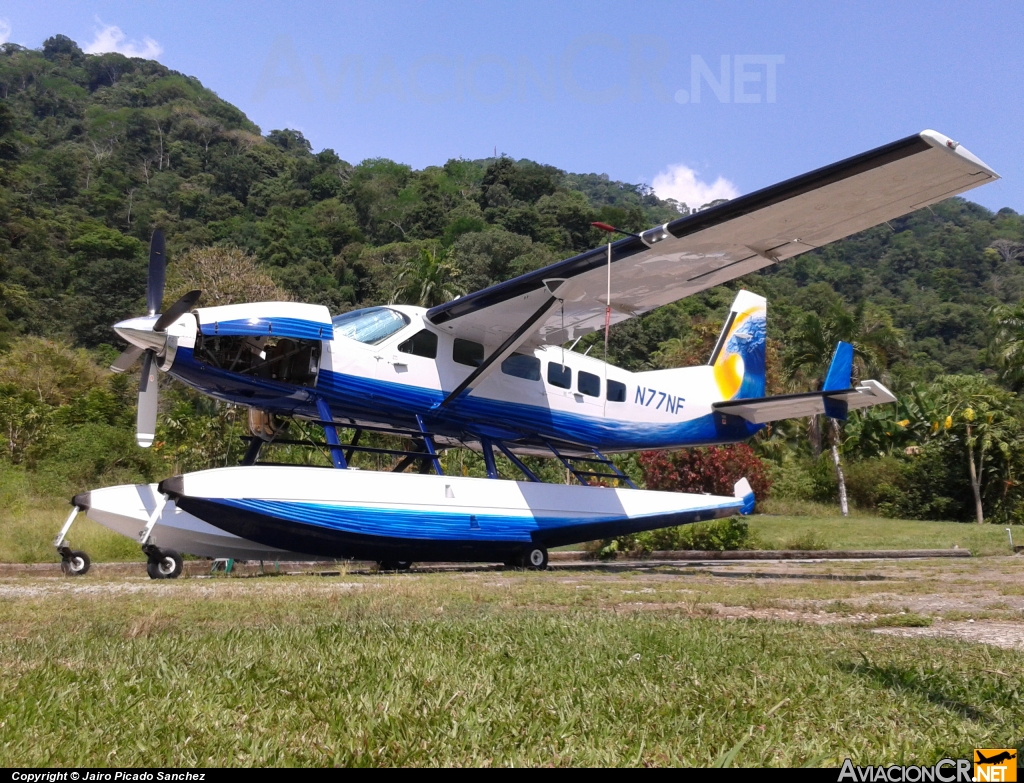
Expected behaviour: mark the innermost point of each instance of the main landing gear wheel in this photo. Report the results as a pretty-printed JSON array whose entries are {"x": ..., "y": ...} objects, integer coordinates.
[
  {"x": 534, "y": 558},
  {"x": 164, "y": 564},
  {"x": 75, "y": 563},
  {"x": 394, "y": 565}
]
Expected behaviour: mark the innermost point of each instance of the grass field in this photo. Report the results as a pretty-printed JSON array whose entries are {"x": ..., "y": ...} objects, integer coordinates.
[
  {"x": 816, "y": 528},
  {"x": 782, "y": 663}
]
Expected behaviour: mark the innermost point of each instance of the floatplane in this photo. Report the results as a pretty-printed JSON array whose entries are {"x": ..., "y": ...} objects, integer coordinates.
[{"x": 489, "y": 370}]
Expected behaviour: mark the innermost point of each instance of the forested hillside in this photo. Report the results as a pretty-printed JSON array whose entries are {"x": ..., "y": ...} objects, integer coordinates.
[{"x": 98, "y": 150}]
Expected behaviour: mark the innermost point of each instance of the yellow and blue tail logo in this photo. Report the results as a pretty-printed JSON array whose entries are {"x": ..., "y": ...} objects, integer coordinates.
[{"x": 739, "y": 355}]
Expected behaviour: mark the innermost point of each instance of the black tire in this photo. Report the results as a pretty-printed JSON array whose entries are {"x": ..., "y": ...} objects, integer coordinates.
[
  {"x": 394, "y": 565},
  {"x": 75, "y": 564},
  {"x": 164, "y": 564},
  {"x": 535, "y": 558}
]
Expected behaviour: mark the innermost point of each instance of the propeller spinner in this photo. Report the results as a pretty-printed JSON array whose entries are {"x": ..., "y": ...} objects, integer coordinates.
[{"x": 147, "y": 338}]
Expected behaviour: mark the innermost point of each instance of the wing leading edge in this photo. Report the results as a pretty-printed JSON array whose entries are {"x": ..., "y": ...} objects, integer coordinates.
[{"x": 716, "y": 245}]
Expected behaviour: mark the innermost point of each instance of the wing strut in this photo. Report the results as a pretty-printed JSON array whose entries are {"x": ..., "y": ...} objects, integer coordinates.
[{"x": 506, "y": 348}]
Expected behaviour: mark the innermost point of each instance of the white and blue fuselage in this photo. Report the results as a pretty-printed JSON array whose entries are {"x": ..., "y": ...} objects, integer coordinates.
[{"x": 540, "y": 393}]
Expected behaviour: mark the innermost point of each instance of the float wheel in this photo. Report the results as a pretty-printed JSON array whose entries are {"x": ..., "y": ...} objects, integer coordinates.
[
  {"x": 164, "y": 564},
  {"x": 75, "y": 563}
]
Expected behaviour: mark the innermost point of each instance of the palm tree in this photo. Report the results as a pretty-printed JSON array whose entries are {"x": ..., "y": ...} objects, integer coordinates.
[
  {"x": 428, "y": 279},
  {"x": 875, "y": 341},
  {"x": 1007, "y": 346}
]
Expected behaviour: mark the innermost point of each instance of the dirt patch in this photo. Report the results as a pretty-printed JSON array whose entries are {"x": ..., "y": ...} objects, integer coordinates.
[{"x": 1000, "y": 634}]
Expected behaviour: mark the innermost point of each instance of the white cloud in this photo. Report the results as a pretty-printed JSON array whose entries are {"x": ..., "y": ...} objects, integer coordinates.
[
  {"x": 110, "y": 38},
  {"x": 5, "y": 31},
  {"x": 680, "y": 182}
]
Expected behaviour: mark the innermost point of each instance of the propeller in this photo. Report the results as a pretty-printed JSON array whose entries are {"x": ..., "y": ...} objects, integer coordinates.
[{"x": 147, "y": 338}]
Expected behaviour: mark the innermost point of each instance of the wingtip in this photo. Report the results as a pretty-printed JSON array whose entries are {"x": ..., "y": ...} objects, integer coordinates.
[{"x": 943, "y": 142}]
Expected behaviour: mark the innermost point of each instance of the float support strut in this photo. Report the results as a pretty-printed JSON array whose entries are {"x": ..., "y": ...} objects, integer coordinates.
[
  {"x": 516, "y": 461},
  {"x": 485, "y": 446},
  {"x": 337, "y": 453},
  {"x": 252, "y": 453},
  {"x": 428, "y": 441}
]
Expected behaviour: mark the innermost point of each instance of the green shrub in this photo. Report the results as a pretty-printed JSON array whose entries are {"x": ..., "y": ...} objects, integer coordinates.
[
  {"x": 93, "y": 455},
  {"x": 869, "y": 481},
  {"x": 792, "y": 481},
  {"x": 805, "y": 479},
  {"x": 718, "y": 536},
  {"x": 928, "y": 484}
]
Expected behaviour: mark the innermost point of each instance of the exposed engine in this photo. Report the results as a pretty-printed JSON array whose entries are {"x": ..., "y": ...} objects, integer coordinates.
[{"x": 272, "y": 358}]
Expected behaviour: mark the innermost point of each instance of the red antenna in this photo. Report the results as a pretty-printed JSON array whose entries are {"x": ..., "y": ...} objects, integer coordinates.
[{"x": 612, "y": 229}]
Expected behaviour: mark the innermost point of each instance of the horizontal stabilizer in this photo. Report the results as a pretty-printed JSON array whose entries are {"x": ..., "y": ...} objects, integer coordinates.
[{"x": 795, "y": 406}]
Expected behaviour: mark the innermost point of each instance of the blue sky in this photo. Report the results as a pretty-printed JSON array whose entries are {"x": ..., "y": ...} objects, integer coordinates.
[{"x": 595, "y": 86}]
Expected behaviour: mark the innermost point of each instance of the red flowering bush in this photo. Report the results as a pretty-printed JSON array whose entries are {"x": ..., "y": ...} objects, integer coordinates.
[{"x": 714, "y": 469}]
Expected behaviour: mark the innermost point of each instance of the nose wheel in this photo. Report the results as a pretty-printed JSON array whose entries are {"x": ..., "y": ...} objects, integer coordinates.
[
  {"x": 163, "y": 563},
  {"x": 74, "y": 562}
]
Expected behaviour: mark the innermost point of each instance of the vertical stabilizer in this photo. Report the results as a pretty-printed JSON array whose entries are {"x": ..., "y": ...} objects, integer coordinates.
[
  {"x": 839, "y": 378},
  {"x": 739, "y": 355},
  {"x": 840, "y": 371}
]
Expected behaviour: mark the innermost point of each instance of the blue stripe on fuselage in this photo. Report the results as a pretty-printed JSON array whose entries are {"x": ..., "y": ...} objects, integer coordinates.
[
  {"x": 441, "y": 525},
  {"x": 374, "y": 400}
]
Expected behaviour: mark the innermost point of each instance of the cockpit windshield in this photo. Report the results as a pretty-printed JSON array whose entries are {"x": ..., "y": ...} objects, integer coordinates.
[{"x": 370, "y": 325}]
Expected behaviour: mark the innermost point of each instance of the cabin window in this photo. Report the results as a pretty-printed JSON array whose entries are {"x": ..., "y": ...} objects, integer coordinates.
[
  {"x": 468, "y": 352},
  {"x": 520, "y": 365},
  {"x": 423, "y": 343},
  {"x": 370, "y": 325},
  {"x": 616, "y": 391},
  {"x": 589, "y": 384},
  {"x": 559, "y": 375}
]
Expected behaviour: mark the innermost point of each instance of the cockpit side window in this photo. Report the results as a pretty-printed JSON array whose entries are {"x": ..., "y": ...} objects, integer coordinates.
[
  {"x": 467, "y": 352},
  {"x": 423, "y": 343},
  {"x": 370, "y": 325}
]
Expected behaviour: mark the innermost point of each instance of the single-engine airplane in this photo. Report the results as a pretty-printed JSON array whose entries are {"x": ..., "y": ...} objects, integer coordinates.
[{"x": 489, "y": 370}]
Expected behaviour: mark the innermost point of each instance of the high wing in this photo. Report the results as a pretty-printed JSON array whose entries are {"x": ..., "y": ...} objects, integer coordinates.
[{"x": 567, "y": 300}]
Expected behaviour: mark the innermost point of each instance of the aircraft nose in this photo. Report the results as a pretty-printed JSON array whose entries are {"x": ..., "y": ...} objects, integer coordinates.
[{"x": 139, "y": 332}]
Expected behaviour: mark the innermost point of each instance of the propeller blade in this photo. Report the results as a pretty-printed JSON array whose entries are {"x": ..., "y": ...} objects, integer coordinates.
[
  {"x": 145, "y": 423},
  {"x": 176, "y": 310},
  {"x": 128, "y": 357},
  {"x": 157, "y": 271}
]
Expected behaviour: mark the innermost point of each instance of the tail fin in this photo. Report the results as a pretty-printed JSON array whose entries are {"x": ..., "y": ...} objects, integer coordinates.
[
  {"x": 840, "y": 371},
  {"x": 839, "y": 377},
  {"x": 739, "y": 355}
]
